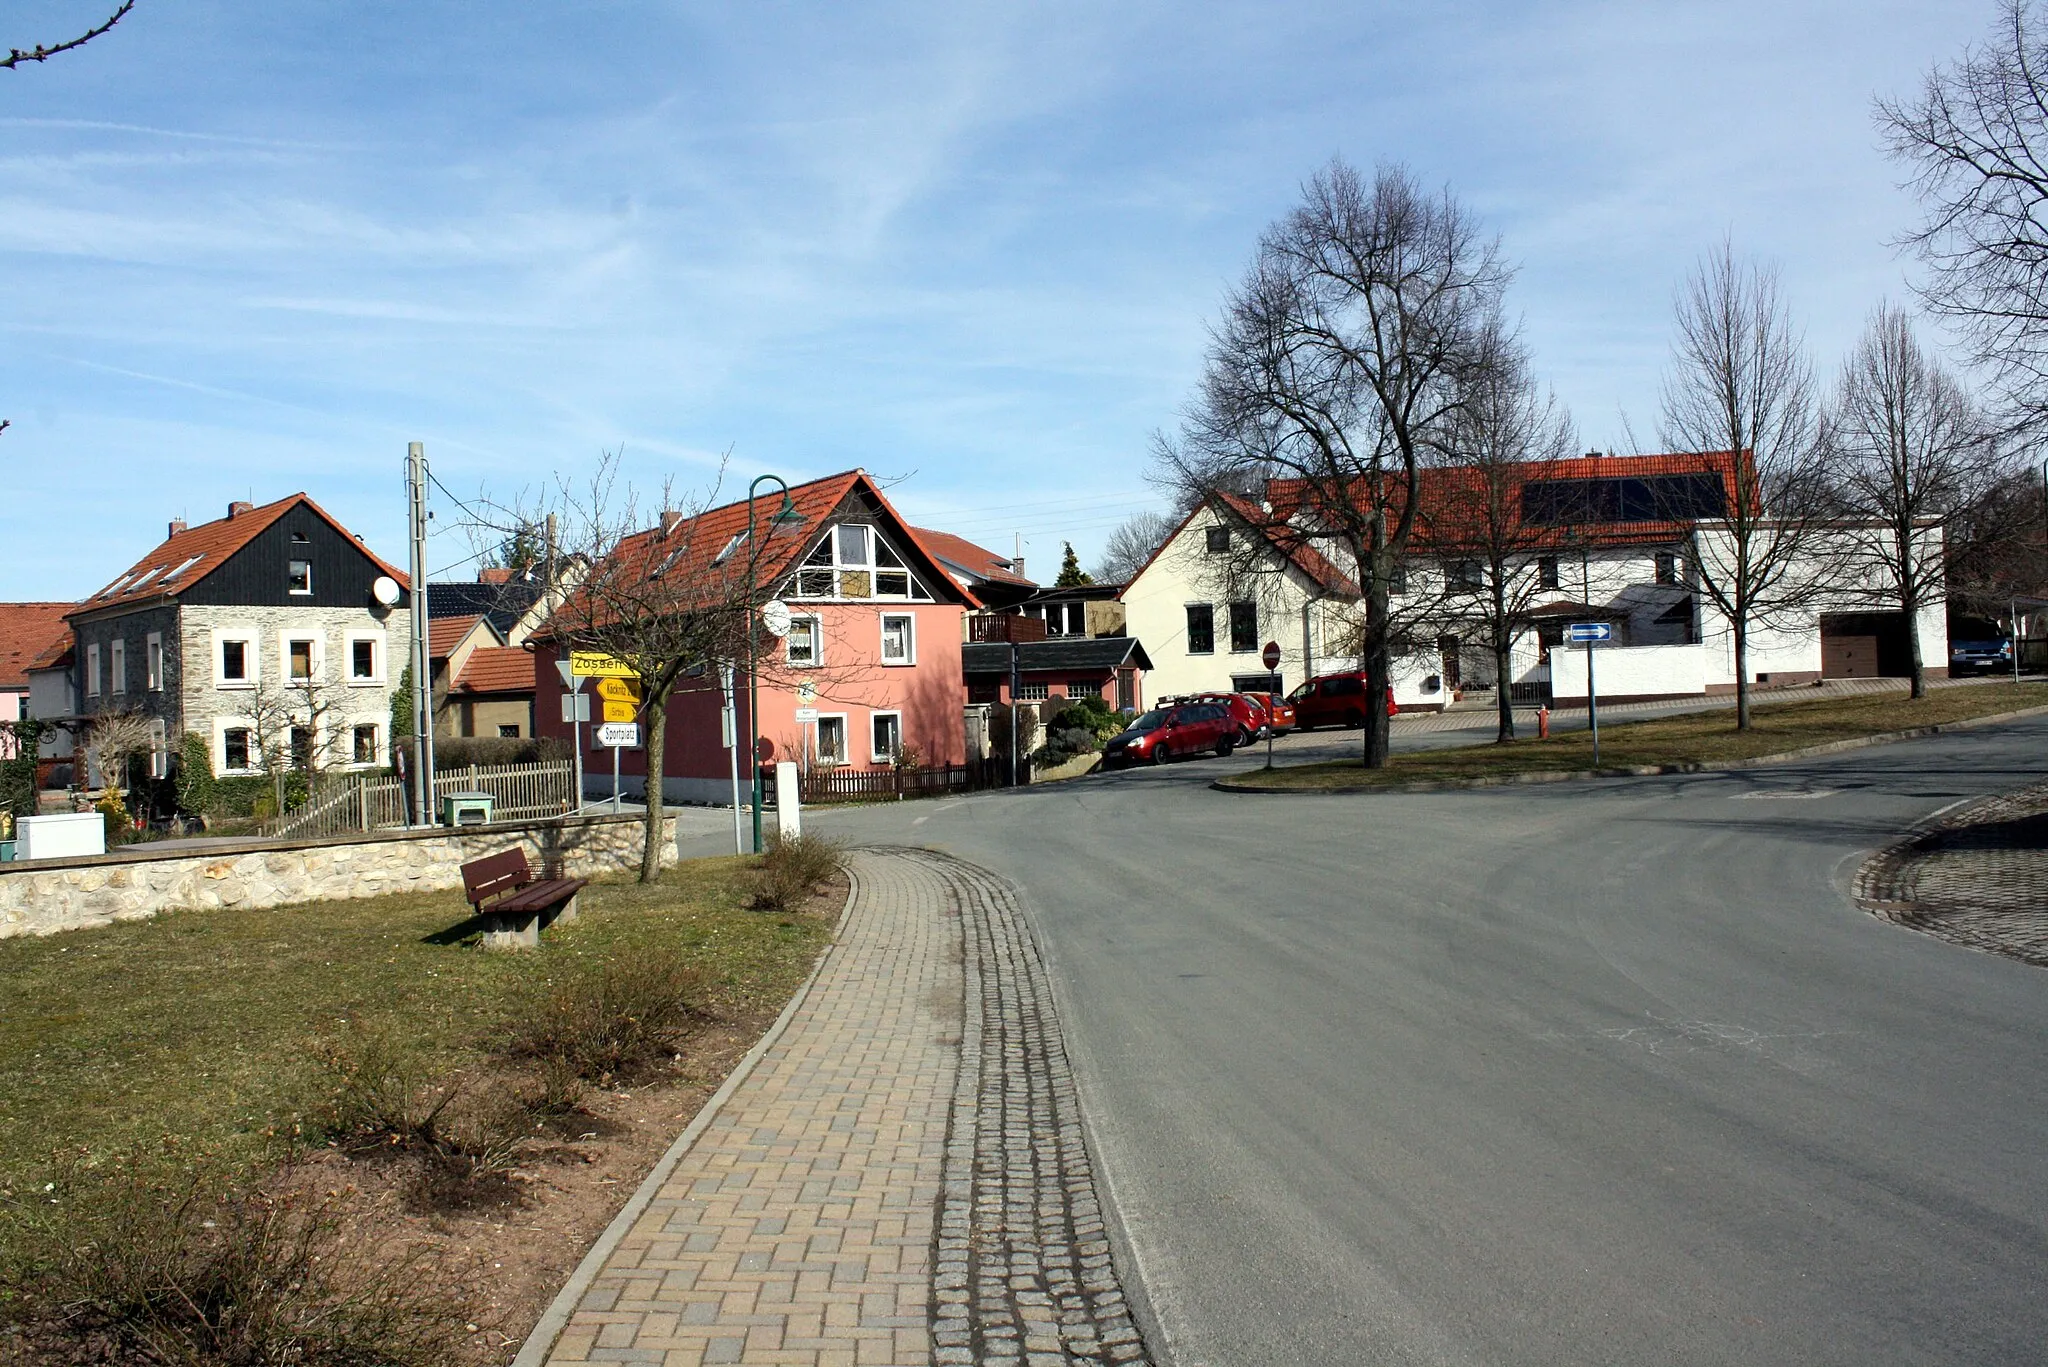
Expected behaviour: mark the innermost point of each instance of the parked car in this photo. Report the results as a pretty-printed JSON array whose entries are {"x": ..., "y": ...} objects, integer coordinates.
[
  {"x": 1164, "y": 732},
  {"x": 1333, "y": 700},
  {"x": 1279, "y": 712},
  {"x": 1967, "y": 657},
  {"x": 1244, "y": 710}
]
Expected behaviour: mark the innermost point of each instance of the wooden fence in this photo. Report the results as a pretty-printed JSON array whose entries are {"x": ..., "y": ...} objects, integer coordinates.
[
  {"x": 358, "y": 802},
  {"x": 843, "y": 784}
]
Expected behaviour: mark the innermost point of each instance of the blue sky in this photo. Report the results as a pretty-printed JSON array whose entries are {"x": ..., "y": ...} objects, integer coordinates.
[{"x": 254, "y": 249}]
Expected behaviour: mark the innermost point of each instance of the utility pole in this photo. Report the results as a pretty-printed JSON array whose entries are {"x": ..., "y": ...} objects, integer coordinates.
[{"x": 422, "y": 663}]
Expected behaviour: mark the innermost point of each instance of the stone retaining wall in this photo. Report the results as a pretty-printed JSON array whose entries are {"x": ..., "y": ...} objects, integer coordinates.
[{"x": 73, "y": 894}]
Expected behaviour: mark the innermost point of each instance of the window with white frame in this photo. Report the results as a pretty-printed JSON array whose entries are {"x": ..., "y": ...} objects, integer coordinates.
[
  {"x": 92, "y": 671},
  {"x": 299, "y": 577},
  {"x": 832, "y": 740},
  {"x": 159, "y": 749},
  {"x": 153, "y": 661},
  {"x": 888, "y": 735},
  {"x": 854, "y": 561},
  {"x": 234, "y": 659},
  {"x": 237, "y": 750},
  {"x": 365, "y": 658},
  {"x": 299, "y": 663},
  {"x": 1031, "y": 692},
  {"x": 899, "y": 638},
  {"x": 1084, "y": 688},
  {"x": 117, "y": 664},
  {"x": 805, "y": 644},
  {"x": 364, "y": 743}
]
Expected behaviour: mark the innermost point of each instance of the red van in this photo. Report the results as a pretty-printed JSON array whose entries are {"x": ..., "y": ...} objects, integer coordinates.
[
  {"x": 1164, "y": 732},
  {"x": 1333, "y": 700}
]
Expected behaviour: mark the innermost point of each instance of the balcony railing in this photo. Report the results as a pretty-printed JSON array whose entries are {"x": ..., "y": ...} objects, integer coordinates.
[{"x": 984, "y": 628}]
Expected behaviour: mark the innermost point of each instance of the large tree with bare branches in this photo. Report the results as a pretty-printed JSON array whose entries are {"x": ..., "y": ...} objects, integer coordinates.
[
  {"x": 1975, "y": 139},
  {"x": 1338, "y": 370},
  {"x": 1740, "y": 388},
  {"x": 1475, "y": 512},
  {"x": 1905, "y": 449}
]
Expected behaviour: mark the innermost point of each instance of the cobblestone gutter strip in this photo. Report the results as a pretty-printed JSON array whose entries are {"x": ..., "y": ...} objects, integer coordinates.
[
  {"x": 1023, "y": 1267},
  {"x": 1719, "y": 766},
  {"x": 1978, "y": 877}
]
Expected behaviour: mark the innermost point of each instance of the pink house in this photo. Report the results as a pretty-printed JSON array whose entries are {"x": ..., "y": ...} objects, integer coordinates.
[{"x": 873, "y": 649}]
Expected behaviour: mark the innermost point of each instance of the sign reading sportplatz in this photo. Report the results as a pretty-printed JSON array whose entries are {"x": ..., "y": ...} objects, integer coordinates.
[
  {"x": 595, "y": 664},
  {"x": 619, "y": 735}
]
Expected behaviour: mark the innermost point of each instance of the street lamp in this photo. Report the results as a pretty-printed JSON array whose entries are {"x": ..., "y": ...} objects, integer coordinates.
[{"x": 786, "y": 517}]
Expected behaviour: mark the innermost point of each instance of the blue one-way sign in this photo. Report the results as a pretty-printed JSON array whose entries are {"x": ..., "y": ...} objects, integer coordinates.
[{"x": 1579, "y": 632}]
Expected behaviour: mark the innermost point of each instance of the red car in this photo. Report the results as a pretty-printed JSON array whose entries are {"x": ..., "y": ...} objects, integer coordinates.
[
  {"x": 1279, "y": 712},
  {"x": 1334, "y": 700},
  {"x": 1182, "y": 729},
  {"x": 1244, "y": 710}
]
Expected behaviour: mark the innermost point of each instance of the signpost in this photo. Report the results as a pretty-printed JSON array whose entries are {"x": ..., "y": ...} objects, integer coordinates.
[
  {"x": 595, "y": 664},
  {"x": 1587, "y": 633},
  {"x": 620, "y": 697},
  {"x": 618, "y": 735},
  {"x": 728, "y": 726},
  {"x": 1270, "y": 658},
  {"x": 575, "y": 711}
]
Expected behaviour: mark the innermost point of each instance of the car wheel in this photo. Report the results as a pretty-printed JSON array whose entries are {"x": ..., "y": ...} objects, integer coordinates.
[
  {"x": 1160, "y": 753},
  {"x": 1247, "y": 734},
  {"x": 1226, "y": 745}
]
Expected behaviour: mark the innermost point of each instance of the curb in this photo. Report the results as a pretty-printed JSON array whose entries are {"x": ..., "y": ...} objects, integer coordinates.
[
  {"x": 540, "y": 1340},
  {"x": 1833, "y": 747}
]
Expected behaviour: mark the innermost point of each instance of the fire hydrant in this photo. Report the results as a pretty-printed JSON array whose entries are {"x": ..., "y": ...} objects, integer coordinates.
[{"x": 1543, "y": 722}]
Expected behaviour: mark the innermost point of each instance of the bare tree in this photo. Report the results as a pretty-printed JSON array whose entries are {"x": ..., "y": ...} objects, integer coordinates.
[
  {"x": 1474, "y": 514},
  {"x": 1131, "y": 545},
  {"x": 113, "y": 741},
  {"x": 1976, "y": 140},
  {"x": 43, "y": 52},
  {"x": 1739, "y": 395},
  {"x": 1905, "y": 448},
  {"x": 1997, "y": 545},
  {"x": 1337, "y": 370},
  {"x": 659, "y": 598}
]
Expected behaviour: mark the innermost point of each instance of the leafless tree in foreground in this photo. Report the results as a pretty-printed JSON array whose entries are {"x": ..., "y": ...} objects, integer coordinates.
[
  {"x": 1976, "y": 141},
  {"x": 1740, "y": 387},
  {"x": 1475, "y": 516},
  {"x": 1338, "y": 367},
  {"x": 1131, "y": 545},
  {"x": 1905, "y": 448},
  {"x": 43, "y": 52},
  {"x": 652, "y": 597}
]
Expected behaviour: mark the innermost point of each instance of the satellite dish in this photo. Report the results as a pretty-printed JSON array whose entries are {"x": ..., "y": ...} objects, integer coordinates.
[
  {"x": 775, "y": 617},
  {"x": 384, "y": 589}
]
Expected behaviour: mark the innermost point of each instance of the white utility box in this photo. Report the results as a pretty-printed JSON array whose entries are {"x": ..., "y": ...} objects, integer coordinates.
[
  {"x": 789, "y": 820},
  {"x": 67, "y": 835}
]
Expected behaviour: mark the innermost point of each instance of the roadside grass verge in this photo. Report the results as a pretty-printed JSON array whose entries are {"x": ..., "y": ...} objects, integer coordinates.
[
  {"x": 197, "y": 1112},
  {"x": 1696, "y": 738},
  {"x": 208, "y": 1030}
]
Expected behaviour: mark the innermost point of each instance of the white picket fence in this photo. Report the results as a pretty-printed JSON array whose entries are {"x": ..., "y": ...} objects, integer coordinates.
[{"x": 355, "y": 803}]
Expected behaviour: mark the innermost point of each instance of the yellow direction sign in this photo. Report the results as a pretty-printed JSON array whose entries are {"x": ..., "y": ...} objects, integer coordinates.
[
  {"x": 595, "y": 664},
  {"x": 615, "y": 710},
  {"x": 619, "y": 690}
]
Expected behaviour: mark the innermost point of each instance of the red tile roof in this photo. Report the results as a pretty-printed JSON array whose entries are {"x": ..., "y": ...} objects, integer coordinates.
[
  {"x": 1292, "y": 542},
  {"x": 975, "y": 560},
  {"x": 446, "y": 633},
  {"x": 708, "y": 552},
  {"x": 28, "y": 631},
  {"x": 497, "y": 669},
  {"x": 58, "y": 653},
  {"x": 1453, "y": 499},
  {"x": 189, "y": 556}
]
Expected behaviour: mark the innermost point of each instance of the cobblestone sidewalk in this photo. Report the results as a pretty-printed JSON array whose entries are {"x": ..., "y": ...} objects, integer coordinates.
[
  {"x": 900, "y": 1180},
  {"x": 1979, "y": 877}
]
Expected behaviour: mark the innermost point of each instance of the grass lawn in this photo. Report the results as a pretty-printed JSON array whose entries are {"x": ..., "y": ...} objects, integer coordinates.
[
  {"x": 1697, "y": 738},
  {"x": 203, "y": 1029}
]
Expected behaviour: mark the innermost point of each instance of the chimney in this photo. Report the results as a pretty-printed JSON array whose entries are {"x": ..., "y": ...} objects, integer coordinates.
[
  {"x": 177, "y": 525},
  {"x": 670, "y": 520},
  {"x": 238, "y": 507}
]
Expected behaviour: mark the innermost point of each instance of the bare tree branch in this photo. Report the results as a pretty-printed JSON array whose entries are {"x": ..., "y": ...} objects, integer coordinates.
[{"x": 42, "y": 53}]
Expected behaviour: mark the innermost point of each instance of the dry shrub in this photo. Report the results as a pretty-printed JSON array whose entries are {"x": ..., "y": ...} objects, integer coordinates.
[
  {"x": 606, "y": 1020},
  {"x": 793, "y": 869},
  {"x": 144, "y": 1265}
]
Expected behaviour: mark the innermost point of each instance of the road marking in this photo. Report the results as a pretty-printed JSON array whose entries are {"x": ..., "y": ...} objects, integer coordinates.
[
  {"x": 1940, "y": 811},
  {"x": 920, "y": 821},
  {"x": 1807, "y": 795}
]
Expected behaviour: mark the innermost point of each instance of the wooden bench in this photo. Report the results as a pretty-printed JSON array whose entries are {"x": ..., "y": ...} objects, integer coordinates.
[{"x": 513, "y": 904}]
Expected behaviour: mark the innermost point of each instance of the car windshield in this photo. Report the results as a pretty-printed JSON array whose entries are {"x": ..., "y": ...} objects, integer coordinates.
[{"x": 1151, "y": 721}]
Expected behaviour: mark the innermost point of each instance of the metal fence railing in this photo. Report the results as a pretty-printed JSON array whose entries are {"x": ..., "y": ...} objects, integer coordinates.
[
  {"x": 345, "y": 803},
  {"x": 842, "y": 783}
]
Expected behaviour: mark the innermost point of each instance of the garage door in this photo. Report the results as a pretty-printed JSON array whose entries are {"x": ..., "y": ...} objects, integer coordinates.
[{"x": 1848, "y": 657}]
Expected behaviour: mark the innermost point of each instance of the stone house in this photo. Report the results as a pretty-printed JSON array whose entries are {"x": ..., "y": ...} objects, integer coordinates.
[{"x": 273, "y": 630}]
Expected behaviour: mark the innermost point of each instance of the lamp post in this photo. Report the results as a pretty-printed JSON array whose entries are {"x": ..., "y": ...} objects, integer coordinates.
[{"x": 785, "y": 516}]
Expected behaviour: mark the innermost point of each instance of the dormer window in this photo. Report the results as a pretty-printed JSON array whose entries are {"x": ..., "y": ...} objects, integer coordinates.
[
  {"x": 739, "y": 539},
  {"x": 299, "y": 576},
  {"x": 182, "y": 568}
]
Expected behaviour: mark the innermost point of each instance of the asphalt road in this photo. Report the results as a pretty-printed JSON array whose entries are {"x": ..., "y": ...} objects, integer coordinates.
[{"x": 1586, "y": 1073}]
